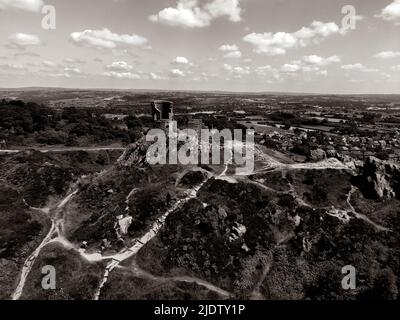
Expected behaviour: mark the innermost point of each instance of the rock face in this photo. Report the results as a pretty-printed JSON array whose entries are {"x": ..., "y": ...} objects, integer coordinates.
[
  {"x": 379, "y": 180},
  {"x": 135, "y": 155}
]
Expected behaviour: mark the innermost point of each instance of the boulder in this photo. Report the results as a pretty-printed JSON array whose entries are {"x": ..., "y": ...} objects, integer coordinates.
[{"x": 380, "y": 180}]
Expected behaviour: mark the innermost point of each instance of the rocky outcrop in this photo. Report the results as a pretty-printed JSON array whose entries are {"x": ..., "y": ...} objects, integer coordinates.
[
  {"x": 379, "y": 180},
  {"x": 192, "y": 179},
  {"x": 135, "y": 155}
]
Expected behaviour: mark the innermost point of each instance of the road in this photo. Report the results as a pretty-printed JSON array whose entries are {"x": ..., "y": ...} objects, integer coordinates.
[{"x": 62, "y": 149}]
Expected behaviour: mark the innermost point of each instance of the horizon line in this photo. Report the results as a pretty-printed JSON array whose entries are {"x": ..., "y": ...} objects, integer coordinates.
[{"x": 194, "y": 90}]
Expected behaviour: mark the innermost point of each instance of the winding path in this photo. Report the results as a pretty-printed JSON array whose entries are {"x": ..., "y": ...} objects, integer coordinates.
[
  {"x": 363, "y": 216},
  {"x": 30, "y": 261},
  {"x": 140, "y": 242}
]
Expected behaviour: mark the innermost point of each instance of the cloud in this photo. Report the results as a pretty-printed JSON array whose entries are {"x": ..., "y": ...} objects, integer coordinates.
[
  {"x": 278, "y": 43},
  {"x": 229, "y": 8},
  {"x": 44, "y": 64},
  {"x": 106, "y": 39},
  {"x": 49, "y": 64},
  {"x": 155, "y": 76},
  {"x": 52, "y": 69},
  {"x": 310, "y": 64},
  {"x": 11, "y": 67},
  {"x": 189, "y": 14},
  {"x": 233, "y": 54},
  {"x": 396, "y": 68},
  {"x": 122, "y": 75},
  {"x": 119, "y": 66},
  {"x": 387, "y": 54},
  {"x": 237, "y": 72},
  {"x": 320, "y": 61},
  {"x": 181, "y": 60},
  {"x": 177, "y": 73},
  {"x": 74, "y": 60},
  {"x": 289, "y": 68},
  {"x": 67, "y": 73},
  {"x": 228, "y": 47},
  {"x": 358, "y": 67},
  {"x": 390, "y": 12},
  {"x": 72, "y": 70},
  {"x": 25, "y": 53},
  {"x": 262, "y": 71},
  {"x": 186, "y": 14},
  {"x": 232, "y": 51},
  {"x": 28, "y": 5},
  {"x": 22, "y": 40},
  {"x": 297, "y": 67}
]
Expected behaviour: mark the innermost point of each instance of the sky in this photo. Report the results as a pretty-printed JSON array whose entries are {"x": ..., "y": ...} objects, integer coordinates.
[{"x": 308, "y": 46}]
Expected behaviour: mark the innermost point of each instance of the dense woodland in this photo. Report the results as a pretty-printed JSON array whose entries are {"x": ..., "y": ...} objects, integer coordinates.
[{"x": 30, "y": 123}]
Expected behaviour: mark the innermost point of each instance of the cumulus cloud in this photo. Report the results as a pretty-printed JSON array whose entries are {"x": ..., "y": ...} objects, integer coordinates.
[
  {"x": 278, "y": 43},
  {"x": 297, "y": 67},
  {"x": 310, "y": 64},
  {"x": 155, "y": 76},
  {"x": 119, "y": 66},
  {"x": 72, "y": 70},
  {"x": 237, "y": 72},
  {"x": 228, "y": 47},
  {"x": 233, "y": 54},
  {"x": 122, "y": 75},
  {"x": 288, "y": 67},
  {"x": 387, "y": 54},
  {"x": 177, "y": 73},
  {"x": 22, "y": 40},
  {"x": 106, "y": 39},
  {"x": 229, "y": 8},
  {"x": 358, "y": 67},
  {"x": 189, "y": 14},
  {"x": 232, "y": 51},
  {"x": 52, "y": 69},
  {"x": 320, "y": 61},
  {"x": 28, "y": 5},
  {"x": 182, "y": 61},
  {"x": 186, "y": 14},
  {"x": 391, "y": 12}
]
